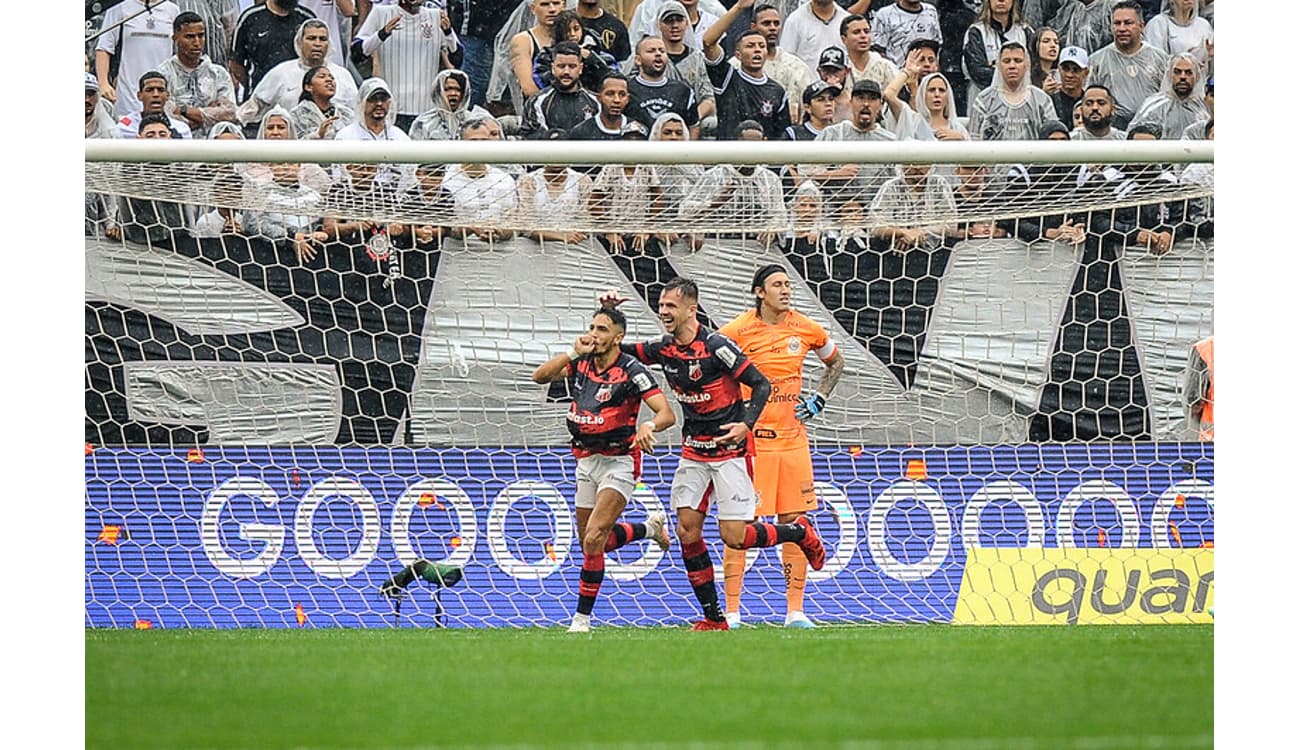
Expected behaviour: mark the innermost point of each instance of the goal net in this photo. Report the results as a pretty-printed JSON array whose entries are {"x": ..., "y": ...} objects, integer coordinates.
[{"x": 307, "y": 364}]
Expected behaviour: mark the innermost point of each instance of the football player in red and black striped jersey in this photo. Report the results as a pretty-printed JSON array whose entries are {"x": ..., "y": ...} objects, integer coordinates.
[
  {"x": 608, "y": 387},
  {"x": 705, "y": 370}
]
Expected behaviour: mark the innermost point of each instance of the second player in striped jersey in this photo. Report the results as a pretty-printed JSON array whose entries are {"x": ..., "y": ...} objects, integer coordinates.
[{"x": 706, "y": 371}]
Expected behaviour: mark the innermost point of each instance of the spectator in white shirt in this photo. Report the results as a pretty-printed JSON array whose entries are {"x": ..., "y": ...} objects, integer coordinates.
[
  {"x": 141, "y": 39},
  {"x": 895, "y": 26},
  {"x": 411, "y": 42},
  {"x": 282, "y": 85},
  {"x": 811, "y": 28},
  {"x": 482, "y": 196},
  {"x": 1179, "y": 29},
  {"x": 863, "y": 62}
]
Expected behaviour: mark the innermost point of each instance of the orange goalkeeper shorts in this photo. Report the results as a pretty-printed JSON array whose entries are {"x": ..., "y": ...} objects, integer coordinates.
[{"x": 784, "y": 480}]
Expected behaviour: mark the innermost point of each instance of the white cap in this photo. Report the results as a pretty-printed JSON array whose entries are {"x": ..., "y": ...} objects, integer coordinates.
[{"x": 1076, "y": 55}]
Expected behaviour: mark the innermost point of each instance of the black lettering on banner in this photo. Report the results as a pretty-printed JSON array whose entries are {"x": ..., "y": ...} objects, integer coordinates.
[
  {"x": 1202, "y": 591},
  {"x": 1099, "y": 591},
  {"x": 1069, "y": 608},
  {"x": 1177, "y": 593}
]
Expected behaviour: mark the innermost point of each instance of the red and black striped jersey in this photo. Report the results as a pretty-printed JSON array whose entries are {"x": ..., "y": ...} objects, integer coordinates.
[
  {"x": 602, "y": 417},
  {"x": 704, "y": 375}
]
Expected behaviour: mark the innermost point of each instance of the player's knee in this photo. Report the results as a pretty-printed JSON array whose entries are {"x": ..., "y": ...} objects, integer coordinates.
[
  {"x": 593, "y": 541},
  {"x": 688, "y": 533},
  {"x": 733, "y": 538}
]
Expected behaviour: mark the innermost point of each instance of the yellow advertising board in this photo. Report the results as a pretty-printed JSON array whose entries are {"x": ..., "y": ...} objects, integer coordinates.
[{"x": 1106, "y": 586}]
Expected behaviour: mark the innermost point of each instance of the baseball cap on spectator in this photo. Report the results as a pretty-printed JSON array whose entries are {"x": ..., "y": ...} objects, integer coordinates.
[
  {"x": 372, "y": 86},
  {"x": 672, "y": 8},
  {"x": 832, "y": 57},
  {"x": 1076, "y": 55},
  {"x": 634, "y": 129},
  {"x": 817, "y": 88},
  {"x": 92, "y": 83},
  {"x": 929, "y": 44},
  {"x": 866, "y": 87}
]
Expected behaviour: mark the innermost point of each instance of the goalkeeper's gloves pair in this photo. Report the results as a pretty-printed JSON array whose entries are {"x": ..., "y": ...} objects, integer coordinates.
[{"x": 809, "y": 407}]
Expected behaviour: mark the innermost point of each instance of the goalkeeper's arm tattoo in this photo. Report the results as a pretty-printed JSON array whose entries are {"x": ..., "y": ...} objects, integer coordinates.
[{"x": 831, "y": 375}]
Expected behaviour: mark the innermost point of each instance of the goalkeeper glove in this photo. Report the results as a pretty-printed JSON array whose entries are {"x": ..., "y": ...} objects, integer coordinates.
[{"x": 810, "y": 406}]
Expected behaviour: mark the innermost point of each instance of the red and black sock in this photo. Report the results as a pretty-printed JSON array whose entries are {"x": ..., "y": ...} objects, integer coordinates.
[
  {"x": 622, "y": 533},
  {"x": 760, "y": 534},
  {"x": 593, "y": 573},
  {"x": 699, "y": 570}
]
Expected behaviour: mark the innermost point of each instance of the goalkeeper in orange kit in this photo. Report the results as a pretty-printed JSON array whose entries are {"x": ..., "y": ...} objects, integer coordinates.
[{"x": 776, "y": 338}]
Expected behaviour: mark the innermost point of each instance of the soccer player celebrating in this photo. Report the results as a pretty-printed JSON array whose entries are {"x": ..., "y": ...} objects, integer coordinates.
[
  {"x": 706, "y": 369},
  {"x": 608, "y": 388},
  {"x": 776, "y": 337}
]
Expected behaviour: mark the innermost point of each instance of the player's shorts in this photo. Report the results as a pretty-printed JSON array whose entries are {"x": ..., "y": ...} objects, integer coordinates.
[
  {"x": 784, "y": 481},
  {"x": 726, "y": 484},
  {"x": 597, "y": 472}
]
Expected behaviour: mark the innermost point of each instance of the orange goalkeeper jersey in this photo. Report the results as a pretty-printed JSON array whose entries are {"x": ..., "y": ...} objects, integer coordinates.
[{"x": 778, "y": 352}]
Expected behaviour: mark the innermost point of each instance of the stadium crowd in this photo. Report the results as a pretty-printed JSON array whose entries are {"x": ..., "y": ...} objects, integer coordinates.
[{"x": 679, "y": 70}]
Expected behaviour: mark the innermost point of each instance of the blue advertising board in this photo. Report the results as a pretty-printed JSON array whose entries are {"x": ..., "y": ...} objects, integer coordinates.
[{"x": 303, "y": 537}]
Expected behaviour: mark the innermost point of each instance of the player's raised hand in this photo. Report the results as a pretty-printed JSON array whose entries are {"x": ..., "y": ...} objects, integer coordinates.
[
  {"x": 585, "y": 344},
  {"x": 809, "y": 407},
  {"x": 611, "y": 298}
]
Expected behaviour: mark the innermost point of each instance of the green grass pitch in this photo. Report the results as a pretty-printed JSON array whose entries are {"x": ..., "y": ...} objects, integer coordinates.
[{"x": 904, "y": 687}]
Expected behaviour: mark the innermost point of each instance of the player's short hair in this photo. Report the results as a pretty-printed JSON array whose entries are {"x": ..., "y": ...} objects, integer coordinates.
[
  {"x": 1109, "y": 94},
  {"x": 185, "y": 19},
  {"x": 612, "y": 75},
  {"x": 566, "y": 48},
  {"x": 689, "y": 290},
  {"x": 1147, "y": 128},
  {"x": 155, "y": 118},
  {"x": 844, "y": 25},
  {"x": 615, "y": 316},
  {"x": 749, "y": 125},
  {"x": 1127, "y": 5},
  {"x": 475, "y": 122},
  {"x": 643, "y": 40},
  {"x": 1011, "y": 46},
  {"x": 153, "y": 74}
]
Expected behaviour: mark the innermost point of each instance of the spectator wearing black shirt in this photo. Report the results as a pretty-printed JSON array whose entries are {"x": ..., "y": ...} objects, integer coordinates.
[
  {"x": 745, "y": 93},
  {"x": 596, "y": 62},
  {"x": 610, "y": 32},
  {"x": 818, "y": 111},
  {"x": 653, "y": 93},
  {"x": 564, "y": 103},
  {"x": 1073, "y": 69},
  {"x": 610, "y": 123},
  {"x": 264, "y": 38}
]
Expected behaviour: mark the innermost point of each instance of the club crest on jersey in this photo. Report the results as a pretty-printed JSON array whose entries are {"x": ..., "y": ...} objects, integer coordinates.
[
  {"x": 792, "y": 345},
  {"x": 426, "y": 29},
  {"x": 767, "y": 107},
  {"x": 605, "y": 393},
  {"x": 693, "y": 371}
]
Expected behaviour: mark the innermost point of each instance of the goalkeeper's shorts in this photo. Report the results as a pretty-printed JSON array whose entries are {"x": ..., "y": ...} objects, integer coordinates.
[{"x": 784, "y": 481}]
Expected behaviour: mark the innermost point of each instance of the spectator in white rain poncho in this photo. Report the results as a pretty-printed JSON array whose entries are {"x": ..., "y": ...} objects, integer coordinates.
[
  {"x": 483, "y": 197},
  {"x": 930, "y": 117},
  {"x": 451, "y": 108},
  {"x": 1084, "y": 23},
  {"x": 555, "y": 197},
  {"x": 282, "y": 84},
  {"x": 914, "y": 210},
  {"x": 1012, "y": 109},
  {"x": 1179, "y": 29},
  {"x": 732, "y": 196},
  {"x": 290, "y": 193},
  {"x": 1180, "y": 103},
  {"x": 317, "y": 115},
  {"x": 676, "y": 181},
  {"x": 1129, "y": 67}
]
